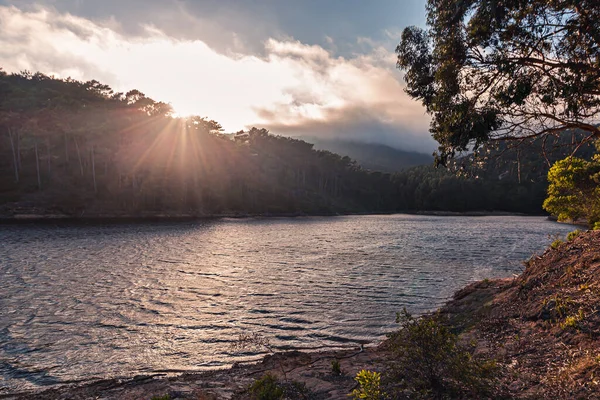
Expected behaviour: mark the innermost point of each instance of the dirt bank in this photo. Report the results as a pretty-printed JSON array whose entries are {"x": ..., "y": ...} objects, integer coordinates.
[{"x": 543, "y": 326}]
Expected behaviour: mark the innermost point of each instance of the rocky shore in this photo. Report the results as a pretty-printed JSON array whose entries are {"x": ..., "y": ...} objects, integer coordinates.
[{"x": 312, "y": 369}]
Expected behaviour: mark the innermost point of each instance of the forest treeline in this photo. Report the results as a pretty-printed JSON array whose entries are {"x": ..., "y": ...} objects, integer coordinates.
[{"x": 80, "y": 149}]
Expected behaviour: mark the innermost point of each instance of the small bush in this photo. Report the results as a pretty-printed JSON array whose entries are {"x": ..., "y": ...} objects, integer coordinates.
[
  {"x": 556, "y": 244},
  {"x": 336, "y": 368},
  {"x": 596, "y": 226},
  {"x": 572, "y": 235},
  {"x": 266, "y": 388},
  {"x": 269, "y": 387},
  {"x": 165, "y": 397},
  {"x": 558, "y": 306},
  {"x": 369, "y": 386},
  {"x": 429, "y": 361},
  {"x": 572, "y": 321}
]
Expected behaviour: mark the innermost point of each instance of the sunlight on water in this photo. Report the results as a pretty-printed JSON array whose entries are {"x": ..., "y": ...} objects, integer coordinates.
[{"x": 79, "y": 302}]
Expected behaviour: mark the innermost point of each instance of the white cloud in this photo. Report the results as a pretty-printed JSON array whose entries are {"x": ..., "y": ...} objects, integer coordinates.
[{"x": 294, "y": 88}]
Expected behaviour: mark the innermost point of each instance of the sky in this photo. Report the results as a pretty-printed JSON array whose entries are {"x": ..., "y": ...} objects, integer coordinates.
[{"x": 313, "y": 68}]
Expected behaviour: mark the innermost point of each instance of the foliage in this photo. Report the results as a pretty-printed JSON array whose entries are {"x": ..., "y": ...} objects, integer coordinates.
[
  {"x": 574, "y": 190},
  {"x": 572, "y": 235},
  {"x": 429, "y": 361},
  {"x": 558, "y": 306},
  {"x": 489, "y": 70},
  {"x": 269, "y": 387},
  {"x": 77, "y": 148},
  {"x": 369, "y": 386},
  {"x": 251, "y": 340},
  {"x": 572, "y": 321},
  {"x": 336, "y": 368},
  {"x": 556, "y": 244},
  {"x": 165, "y": 397},
  {"x": 500, "y": 178},
  {"x": 257, "y": 342},
  {"x": 86, "y": 150},
  {"x": 266, "y": 388}
]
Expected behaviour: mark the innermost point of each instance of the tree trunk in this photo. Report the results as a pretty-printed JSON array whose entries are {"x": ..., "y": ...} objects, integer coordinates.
[
  {"x": 48, "y": 155},
  {"x": 519, "y": 165},
  {"x": 94, "y": 171},
  {"x": 66, "y": 148},
  {"x": 14, "y": 153},
  {"x": 79, "y": 156},
  {"x": 19, "y": 151},
  {"x": 37, "y": 166}
]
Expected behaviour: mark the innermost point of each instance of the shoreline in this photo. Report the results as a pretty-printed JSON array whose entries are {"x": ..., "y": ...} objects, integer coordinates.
[
  {"x": 224, "y": 383},
  {"x": 114, "y": 218}
]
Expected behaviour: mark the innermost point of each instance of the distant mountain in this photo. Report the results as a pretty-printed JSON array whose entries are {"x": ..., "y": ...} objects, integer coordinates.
[{"x": 372, "y": 156}]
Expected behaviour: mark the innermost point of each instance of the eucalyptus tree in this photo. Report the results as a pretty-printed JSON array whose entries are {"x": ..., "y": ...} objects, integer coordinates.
[{"x": 504, "y": 70}]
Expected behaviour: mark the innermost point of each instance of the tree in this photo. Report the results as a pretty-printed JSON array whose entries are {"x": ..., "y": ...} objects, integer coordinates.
[
  {"x": 574, "y": 191},
  {"x": 489, "y": 70}
]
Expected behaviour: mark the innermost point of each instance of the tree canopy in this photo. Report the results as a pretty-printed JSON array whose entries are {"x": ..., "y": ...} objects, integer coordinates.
[
  {"x": 80, "y": 149},
  {"x": 574, "y": 191},
  {"x": 512, "y": 70}
]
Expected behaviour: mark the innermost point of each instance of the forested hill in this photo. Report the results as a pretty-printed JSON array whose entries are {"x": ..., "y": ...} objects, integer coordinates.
[
  {"x": 79, "y": 149},
  {"x": 373, "y": 156},
  {"x": 504, "y": 177}
]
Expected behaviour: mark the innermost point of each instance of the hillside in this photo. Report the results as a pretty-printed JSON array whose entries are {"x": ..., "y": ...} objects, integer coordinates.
[
  {"x": 373, "y": 156},
  {"x": 78, "y": 149},
  {"x": 541, "y": 327}
]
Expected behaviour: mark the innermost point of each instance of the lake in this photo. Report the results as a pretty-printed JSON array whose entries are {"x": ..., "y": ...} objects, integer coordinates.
[{"x": 79, "y": 302}]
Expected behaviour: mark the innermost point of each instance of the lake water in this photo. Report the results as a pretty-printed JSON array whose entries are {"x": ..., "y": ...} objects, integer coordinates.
[{"x": 80, "y": 302}]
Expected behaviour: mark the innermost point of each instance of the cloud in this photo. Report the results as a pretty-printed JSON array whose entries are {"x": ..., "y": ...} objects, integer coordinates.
[{"x": 291, "y": 88}]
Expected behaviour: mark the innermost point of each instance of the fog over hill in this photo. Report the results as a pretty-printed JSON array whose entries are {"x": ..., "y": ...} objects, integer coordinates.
[{"x": 373, "y": 156}]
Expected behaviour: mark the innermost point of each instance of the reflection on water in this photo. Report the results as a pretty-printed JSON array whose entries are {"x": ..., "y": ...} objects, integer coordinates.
[{"x": 79, "y": 302}]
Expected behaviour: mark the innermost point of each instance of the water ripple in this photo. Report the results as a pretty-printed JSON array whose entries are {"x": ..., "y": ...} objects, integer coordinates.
[{"x": 84, "y": 301}]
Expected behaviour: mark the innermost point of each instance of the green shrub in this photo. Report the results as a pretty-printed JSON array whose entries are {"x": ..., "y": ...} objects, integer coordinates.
[
  {"x": 556, "y": 244},
  {"x": 165, "y": 397},
  {"x": 266, "y": 388},
  {"x": 429, "y": 362},
  {"x": 573, "y": 235},
  {"x": 336, "y": 368},
  {"x": 596, "y": 226},
  {"x": 558, "y": 306},
  {"x": 572, "y": 321},
  {"x": 369, "y": 386}
]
